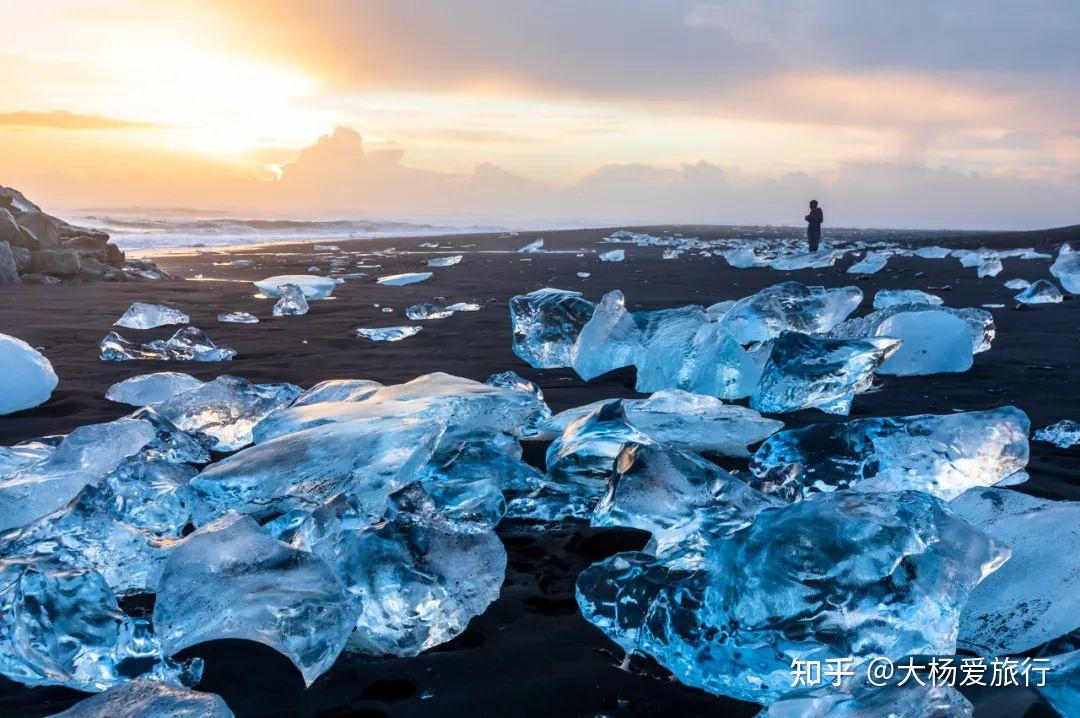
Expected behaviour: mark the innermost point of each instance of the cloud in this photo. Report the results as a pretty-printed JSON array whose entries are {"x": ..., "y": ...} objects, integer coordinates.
[
  {"x": 61, "y": 120},
  {"x": 338, "y": 176}
]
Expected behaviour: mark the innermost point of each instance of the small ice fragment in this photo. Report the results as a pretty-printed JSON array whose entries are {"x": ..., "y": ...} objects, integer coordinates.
[
  {"x": 534, "y": 246},
  {"x": 1065, "y": 433},
  {"x": 292, "y": 302},
  {"x": 230, "y": 579},
  {"x": 931, "y": 342},
  {"x": 400, "y": 280},
  {"x": 312, "y": 287},
  {"x": 237, "y": 318},
  {"x": 146, "y": 389},
  {"x": 27, "y": 378},
  {"x": 583, "y": 275},
  {"x": 615, "y": 255},
  {"x": 141, "y": 315},
  {"x": 806, "y": 260},
  {"x": 445, "y": 261},
  {"x": 1017, "y": 284},
  {"x": 872, "y": 263},
  {"x": 388, "y": 334},
  {"x": 932, "y": 252},
  {"x": 187, "y": 344},
  {"x": 895, "y": 297},
  {"x": 1042, "y": 291},
  {"x": 326, "y": 248},
  {"x": 428, "y": 310}
]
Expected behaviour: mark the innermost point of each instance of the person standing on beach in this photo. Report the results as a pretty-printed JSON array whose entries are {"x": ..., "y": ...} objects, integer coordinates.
[{"x": 813, "y": 227}]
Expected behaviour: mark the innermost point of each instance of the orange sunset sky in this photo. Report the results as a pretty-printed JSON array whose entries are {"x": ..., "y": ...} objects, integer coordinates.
[{"x": 922, "y": 114}]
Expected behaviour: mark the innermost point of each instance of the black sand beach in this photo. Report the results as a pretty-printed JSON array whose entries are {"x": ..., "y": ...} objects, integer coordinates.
[{"x": 530, "y": 653}]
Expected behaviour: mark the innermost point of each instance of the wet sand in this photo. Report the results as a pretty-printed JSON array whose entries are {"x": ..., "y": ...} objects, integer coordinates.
[{"x": 531, "y": 653}]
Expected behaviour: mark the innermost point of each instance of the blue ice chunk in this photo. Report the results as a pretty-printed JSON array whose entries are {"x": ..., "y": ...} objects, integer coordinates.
[
  {"x": 337, "y": 390},
  {"x": 388, "y": 334},
  {"x": 546, "y": 323},
  {"x": 805, "y": 372},
  {"x": 400, "y": 280},
  {"x": 1035, "y": 597},
  {"x": 942, "y": 455},
  {"x": 142, "y": 315},
  {"x": 416, "y": 578},
  {"x": 893, "y": 297},
  {"x": 226, "y": 409},
  {"x": 142, "y": 698},
  {"x": 1067, "y": 269},
  {"x": 292, "y": 302},
  {"x": 862, "y": 699},
  {"x": 1062, "y": 689},
  {"x": 980, "y": 321},
  {"x": 27, "y": 378},
  {"x": 1041, "y": 291},
  {"x": 1065, "y": 433},
  {"x": 62, "y": 626},
  {"x": 312, "y": 287},
  {"x": 872, "y": 263},
  {"x": 789, "y": 306},
  {"x": 231, "y": 579},
  {"x": 813, "y": 580},
  {"x": 146, "y": 389}
]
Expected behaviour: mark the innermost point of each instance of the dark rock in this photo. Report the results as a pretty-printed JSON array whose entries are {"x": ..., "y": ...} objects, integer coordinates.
[
  {"x": 15, "y": 201},
  {"x": 141, "y": 264},
  {"x": 9, "y": 230},
  {"x": 114, "y": 255},
  {"x": 9, "y": 272},
  {"x": 45, "y": 228},
  {"x": 28, "y": 239},
  {"x": 117, "y": 275},
  {"x": 57, "y": 262},
  {"x": 22, "y": 258},
  {"x": 70, "y": 231},
  {"x": 91, "y": 268},
  {"x": 89, "y": 242},
  {"x": 38, "y": 279}
]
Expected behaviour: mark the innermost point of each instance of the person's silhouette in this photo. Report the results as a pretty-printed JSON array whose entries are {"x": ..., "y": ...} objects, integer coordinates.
[{"x": 813, "y": 227}]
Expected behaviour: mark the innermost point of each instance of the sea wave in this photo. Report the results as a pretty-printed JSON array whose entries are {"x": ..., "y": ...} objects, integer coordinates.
[{"x": 146, "y": 231}]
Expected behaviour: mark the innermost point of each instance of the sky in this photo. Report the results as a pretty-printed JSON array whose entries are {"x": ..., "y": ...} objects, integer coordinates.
[{"x": 927, "y": 113}]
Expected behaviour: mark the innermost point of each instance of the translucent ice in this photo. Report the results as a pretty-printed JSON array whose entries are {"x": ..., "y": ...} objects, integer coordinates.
[
  {"x": 187, "y": 344},
  {"x": 699, "y": 423},
  {"x": 789, "y": 307},
  {"x": 1065, "y": 433},
  {"x": 1017, "y": 284},
  {"x": 615, "y": 255},
  {"x": 388, "y": 334},
  {"x": 85, "y": 456},
  {"x": 226, "y": 409},
  {"x": 1062, "y": 689},
  {"x": 931, "y": 342},
  {"x": 1040, "y": 292},
  {"x": 416, "y": 579},
  {"x": 806, "y": 260},
  {"x": 63, "y": 627},
  {"x": 540, "y": 413},
  {"x": 237, "y": 318},
  {"x": 867, "y": 700},
  {"x": 1067, "y": 269},
  {"x": 814, "y": 580},
  {"x": 609, "y": 340},
  {"x": 399, "y": 280},
  {"x": 546, "y": 323},
  {"x": 743, "y": 257},
  {"x": 458, "y": 402},
  {"x": 141, "y": 315},
  {"x": 149, "y": 699},
  {"x": 932, "y": 252},
  {"x": 170, "y": 443},
  {"x": 312, "y": 287},
  {"x": 1035, "y": 597},
  {"x": 980, "y": 320},
  {"x": 872, "y": 263},
  {"x": 536, "y": 245},
  {"x": 666, "y": 492},
  {"x": 26, "y": 376},
  {"x": 805, "y": 372},
  {"x": 147, "y": 493},
  {"x": 94, "y": 535},
  {"x": 893, "y": 297},
  {"x": 146, "y": 389},
  {"x": 367, "y": 458},
  {"x": 292, "y": 302},
  {"x": 230, "y": 579},
  {"x": 428, "y": 310},
  {"x": 445, "y": 261},
  {"x": 942, "y": 455},
  {"x": 686, "y": 351},
  {"x": 337, "y": 390},
  {"x": 465, "y": 478}
]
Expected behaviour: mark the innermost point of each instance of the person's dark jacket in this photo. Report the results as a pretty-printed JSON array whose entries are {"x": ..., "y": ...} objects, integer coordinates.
[{"x": 815, "y": 218}]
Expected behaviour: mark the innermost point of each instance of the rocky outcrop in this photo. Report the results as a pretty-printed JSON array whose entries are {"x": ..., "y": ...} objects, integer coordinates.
[{"x": 37, "y": 248}]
